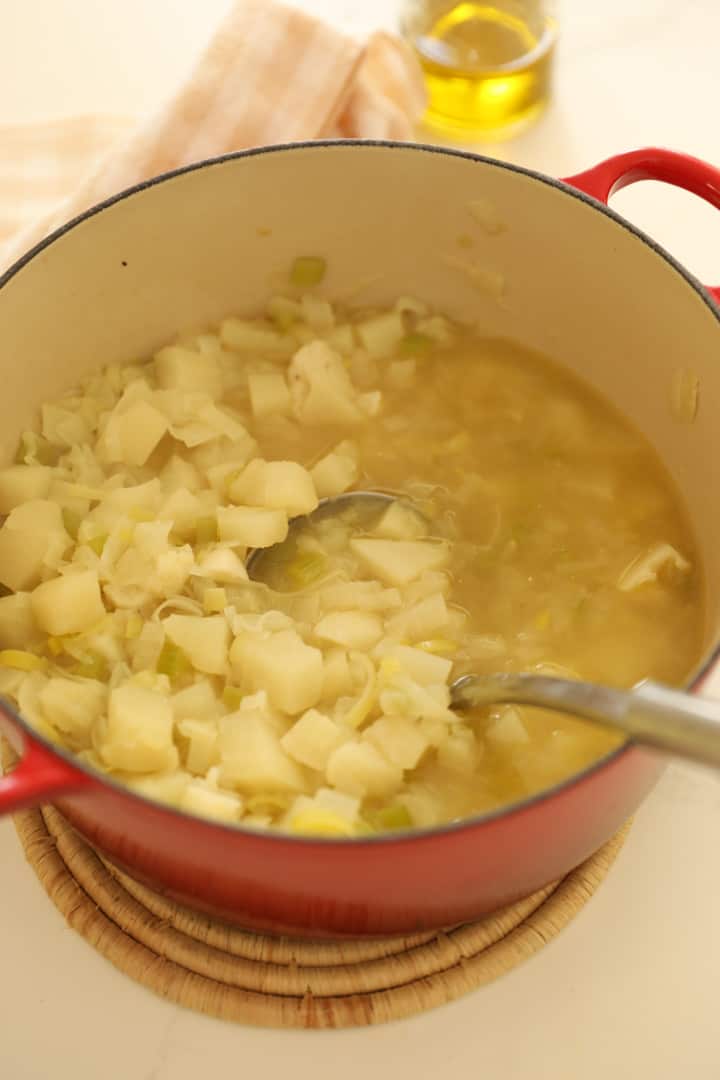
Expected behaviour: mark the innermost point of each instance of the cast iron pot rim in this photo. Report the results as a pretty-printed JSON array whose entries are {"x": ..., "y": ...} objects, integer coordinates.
[{"x": 694, "y": 683}]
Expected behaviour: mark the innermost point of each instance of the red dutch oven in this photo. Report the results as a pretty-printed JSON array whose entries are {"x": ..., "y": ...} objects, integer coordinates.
[{"x": 583, "y": 286}]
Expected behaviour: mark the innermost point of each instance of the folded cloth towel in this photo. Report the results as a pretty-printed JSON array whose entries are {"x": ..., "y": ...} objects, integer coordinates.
[{"x": 271, "y": 74}]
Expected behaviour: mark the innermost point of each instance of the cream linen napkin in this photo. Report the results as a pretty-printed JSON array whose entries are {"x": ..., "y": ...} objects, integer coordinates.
[{"x": 271, "y": 74}]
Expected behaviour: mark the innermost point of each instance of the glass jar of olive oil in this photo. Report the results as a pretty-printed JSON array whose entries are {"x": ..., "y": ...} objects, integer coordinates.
[{"x": 487, "y": 63}]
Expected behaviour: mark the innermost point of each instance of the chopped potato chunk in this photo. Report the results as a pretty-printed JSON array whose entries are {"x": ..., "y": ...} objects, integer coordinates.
[
  {"x": 252, "y": 757},
  {"x": 278, "y": 485},
  {"x": 251, "y": 526},
  {"x": 269, "y": 394},
  {"x": 199, "y": 798},
  {"x": 358, "y": 768},
  {"x": 17, "y": 622},
  {"x": 400, "y": 522},
  {"x": 398, "y": 562},
  {"x": 69, "y": 604},
  {"x": 33, "y": 540},
  {"x": 73, "y": 706},
  {"x": 21, "y": 483},
  {"x": 282, "y": 664},
  {"x": 204, "y": 638},
  {"x": 312, "y": 739},
  {"x": 352, "y": 629},
  {"x": 336, "y": 472},
  {"x": 399, "y": 739},
  {"x": 137, "y": 735},
  {"x": 131, "y": 435},
  {"x": 321, "y": 389},
  {"x": 183, "y": 369}
]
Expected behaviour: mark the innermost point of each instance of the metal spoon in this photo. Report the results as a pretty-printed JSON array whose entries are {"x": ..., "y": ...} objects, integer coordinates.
[
  {"x": 255, "y": 563},
  {"x": 651, "y": 714}
]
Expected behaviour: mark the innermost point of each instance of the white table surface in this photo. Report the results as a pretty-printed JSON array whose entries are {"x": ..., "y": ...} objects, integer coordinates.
[{"x": 629, "y": 989}]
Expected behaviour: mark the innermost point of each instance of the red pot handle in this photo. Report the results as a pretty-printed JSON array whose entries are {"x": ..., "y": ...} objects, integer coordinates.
[
  {"x": 682, "y": 170},
  {"x": 38, "y": 777}
]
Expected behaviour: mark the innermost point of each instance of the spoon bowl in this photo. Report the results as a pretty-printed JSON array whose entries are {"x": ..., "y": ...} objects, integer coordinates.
[{"x": 368, "y": 505}]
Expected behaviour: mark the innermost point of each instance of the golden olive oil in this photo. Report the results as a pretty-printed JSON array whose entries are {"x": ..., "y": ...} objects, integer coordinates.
[{"x": 487, "y": 65}]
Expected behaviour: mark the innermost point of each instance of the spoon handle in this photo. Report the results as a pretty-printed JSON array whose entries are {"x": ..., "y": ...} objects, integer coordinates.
[{"x": 650, "y": 714}]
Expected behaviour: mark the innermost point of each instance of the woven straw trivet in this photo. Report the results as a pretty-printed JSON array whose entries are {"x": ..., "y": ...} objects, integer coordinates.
[{"x": 205, "y": 965}]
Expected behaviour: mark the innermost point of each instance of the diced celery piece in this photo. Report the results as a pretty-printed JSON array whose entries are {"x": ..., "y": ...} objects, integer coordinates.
[
  {"x": 172, "y": 661},
  {"x": 389, "y": 667},
  {"x": 358, "y": 713},
  {"x": 232, "y": 697},
  {"x": 394, "y": 816},
  {"x": 206, "y": 531},
  {"x": 306, "y": 567},
  {"x": 255, "y": 335},
  {"x": 36, "y": 449},
  {"x": 93, "y": 666},
  {"x": 230, "y": 479},
  {"x": 438, "y": 646},
  {"x": 312, "y": 822},
  {"x": 20, "y": 660},
  {"x": 268, "y": 803},
  {"x": 307, "y": 270},
  {"x": 363, "y": 828},
  {"x": 283, "y": 312},
  {"x": 416, "y": 343},
  {"x": 71, "y": 521},
  {"x": 55, "y": 646},
  {"x": 97, "y": 543},
  {"x": 133, "y": 626},
  {"x": 283, "y": 319}
]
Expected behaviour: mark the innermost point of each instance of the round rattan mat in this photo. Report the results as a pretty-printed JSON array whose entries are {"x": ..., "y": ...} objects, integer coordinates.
[{"x": 222, "y": 971}]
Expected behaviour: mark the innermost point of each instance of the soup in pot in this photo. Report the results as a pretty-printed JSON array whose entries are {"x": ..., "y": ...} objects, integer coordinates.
[{"x": 533, "y": 530}]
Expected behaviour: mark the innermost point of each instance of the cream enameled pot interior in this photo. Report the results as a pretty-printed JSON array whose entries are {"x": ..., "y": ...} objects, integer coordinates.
[{"x": 185, "y": 251}]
